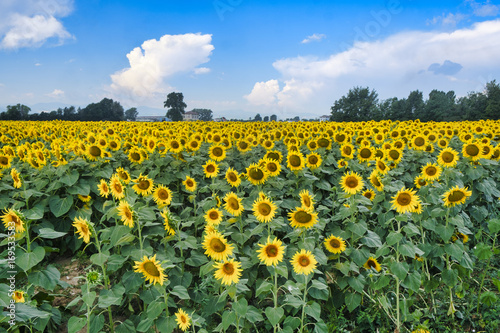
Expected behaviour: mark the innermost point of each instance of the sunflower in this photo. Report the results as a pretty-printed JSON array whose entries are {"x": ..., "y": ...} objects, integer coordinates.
[
  {"x": 217, "y": 152},
  {"x": 15, "y": 177},
  {"x": 324, "y": 143},
  {"x": 216, "y": 246},
  {"x": 123, "y": 174},
  {"x": 18, "y": 296},
  {"x": 472, "y": 150},
  {"x": 5, "y": 161},
  {"x": 228, "y": 271},
  {"x": 117, "y": 189},
  {"x": 183, "y": 320},
  {"x": 448, "y": 157},
  {"x": 369, "y": 194},
  {"x": 271, "y": 253},
  {"x": 211, "y": 169},
  {"x": 143, "y": 185},
  {"x": 243, "y": 146},
  {"x": 168, "y": 222},
  {"x": 420, "y": 330},
  {"x": 372, "y": 263},
  {"x": 126, "y": 214},
  {"x": 13, "y": 219},
  {"x": 347, "y": 151},
  {"x": 295, "y": 161},
  {"x": 307, "y": 200},
  {"x": 394, "y": 155},
  {"x": 264, "y": 209},
  {"x": 272, "y": 167},
  {"x": 103, "y": 189},
  {"x": 190, "y": 184},
  {"x": 456, "y": 196},
  {"x": 256, "y": 174},
  {"x": 233, "y": 204},
  {"x": 151, "y": 269},
  {"x": 84, "y": 198},
  {"x": 162, "y": 195},
  {"x": 303, "y": 262},
  {"x": 420, "y": 181},
  {"x": 382, "y": 168},
  {"x": 302, "y": 218},
  {"x": 405, "y": 200},
  {"x": 135, "y": 155},
  {"x": 213, "y": 216},
  {"x": 94, "y": 152},
  {"x": 233, "y": 178},
  {"x": 351, "y": 183},
  {"x": 83, "y": 228},
  {"x": 175, "y": 146},
  {"x": 462, "y": 236},
  {"x": 313, "y": 161},
  {"x": 376, "y": 181},
  {"x": 274, "y": 155},
  {"x": 366, "y": 154},
  {"x": 342, "y": 163},
  {"x": 431, "y": 172},
  {"x": 335, "y": 244}
]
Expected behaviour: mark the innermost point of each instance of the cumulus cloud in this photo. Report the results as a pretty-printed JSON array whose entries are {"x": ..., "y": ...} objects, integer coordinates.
[
  {"x": 31, "y": 23},
  {"x": 394, "y": 63},
  {"x": 56, "y": 93},
  {"x": 484, "y": 9},
  {"x": 313, "y": 38},
  {"x": 157, "y": 60},
  {"x": 263, "y": 93}
]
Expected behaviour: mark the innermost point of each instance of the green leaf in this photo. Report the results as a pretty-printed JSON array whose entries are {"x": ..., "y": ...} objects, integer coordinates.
[
  {"x": 60, "y": 206},
  {"x": 489, "y": 298},
  {"x": 445, "y": 232},
  {"x": 107, "y": 298},
  {"x": 264, "y": 287},
  {"x": 356, "y": 283},
  {"x": 483, "y": 251},
  {"x": 450, "y": 277},
  {"x": 228, "y": 318},
  {"x": 96, "y": 322},
  {"x": 50, "y": 233},
  {"x": 319, "y": 285},
  {"x": 196, "y": 259},
  {"x": 372, "y": 240},
  {"x": 47, "y": 278},
  {"x": 181, "y": 292},
  {"x": 496, "y": 282},
  {"x": 69, "y": 179},
  {"x": 357, "y": 228},
  {"x": 145, "y": 325},
  {"x": 408, "y": 250},
  {"x": 35, "y": 213},
  {"x": 126, "y": 327},
  {"x": 381, "y": 282},
  {"x": 166, "y": 325},
  {"x": 115, "y": 262},
  {"x": 27, "y": 260},
  {"x": 99, "y": 258},
  {"x": 26, "y": 312},
  {"x": 75, "y": 324},
  {"x": 353, "y": 300},
  {"x": 240, "y": 307},
  {"x": 412, "y": 281},
  {"x": 410, "y": 229},
  {"x": 399, "y": 269},
  {"x": 154, "y": 309},
  {"x": 494, "y": 225},
  {"x": 393, "y": 238},
  {"x": 253, "y": 314},
  {"x": 314, "y": 310},
  {"x": 320, "y": 327},
  {"x": 89, "y": 298},
  {"x": 454, "y": 250},
  {"x": 274, "y": 315}
]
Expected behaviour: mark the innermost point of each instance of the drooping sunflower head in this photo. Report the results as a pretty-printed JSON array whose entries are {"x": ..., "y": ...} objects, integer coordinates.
[
  {"x": 228, "y": 272},
  {"x": 351, "y": 183},
  {"x": 183, "y": 320},
  {"x": 190, "y": 184},
  {"x": 405, "y": 200},
  {"x": 335, "y": 244},
  {"x": 313, "y": 161},
  {"x": 233, "y": 204},
  {"x": 272, "y": 252},
  {"x": 456, "y": 196},
  {"x": 103, "y": 188},
  {"x": 382, "y": 168},
  {"x": 143, "y": 185},
  {"x": 216, "y": 246},
  {"x": 151, "y": 270},
  {"x": 264, "y": 209},
  {"x": 256, "y": 174},
  {"x": 126, "y": 214},
  {"x": 83, "y": 228},
  {"x": 302, "y": 218},
  {"x": 307, "y": 200},
  {"x": 303, "y": 262},
  {"x": 13, "y": 220},
  {"x": 84, "y": 198},
  {"x": 211, "y": 169},
  {"x": 232, "y": 177},
  {"x": 168, "y": 222},
  {"x": 16, "y": 178},
  {"x": 372, "y": 263},
  {"x": 162, "y": 195},
  {"x": 420, "y": 181},
  {"x": 342, "y": 163},
  {"x": 274, "y": 155},
  {"x": 376, "y": 181},
  {"x": 213, "y": 216}
]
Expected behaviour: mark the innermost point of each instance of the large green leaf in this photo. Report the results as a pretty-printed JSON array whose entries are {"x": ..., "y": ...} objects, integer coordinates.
[
  {"x": 50, "y": 233},
  {"x": 47, "y": 278},
  {"x": 274, "y": 315},
  {"x": 60, "y": 206},
  {"x": 27, "y": 260}
]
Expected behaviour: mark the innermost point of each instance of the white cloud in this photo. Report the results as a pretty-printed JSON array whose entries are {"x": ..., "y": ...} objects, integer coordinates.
[
  {"x": 202, "y": 70},
  {"x": 56, "y": 93},
  {"x": 484, "y": 9},
  {"x": 157, "y": 60},
  {"x": 313, "y": 38},
  {"x": 395, "y": 65},
  {"x": 31, "y": 23},
  {"x": 449, "y": 20},
  {"x": 38, "y": 64}
]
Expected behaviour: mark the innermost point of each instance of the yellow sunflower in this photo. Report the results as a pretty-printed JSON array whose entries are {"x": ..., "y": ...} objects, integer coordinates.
[
  {"x": 271, "y": 253},
  {"x": 264, "y": 209},
  {"x": 216, "y": 246},
  {"x": 456, "y": 196},
  {"x": 15, "y": 177},
  {"x": 335, "y": 244},
  {"x": 256, "y": 174},
  {"x": 124, "y": 175},
  {"x": 13, "y": 220},
  {"x": 211, "y": 169},
  {"x": 168, "y": 222},
  {"x": 228, "y": 271},
  {"x": 5, "y": 161},
  {"x": 372, "y": 263},
  {"x": 272, "y": 167},
  {"x": 448, "y": 158},
  {"x": 472, "y": 150},
  {"x": 405, "y": 200},
  {"x": 18, "y": 296},
  {"x": 117, "y": 189},
  {"x": 302, "y": 218},
  {"x": 431, "y": 172},
  {"x": 313, "y": 161},
  {"x": 382, "y": 168},
  {"x": 303, "y": 262},
  {"x": 162, "y": 195},
  {"x": 135, "y": 155},
  {"x": 366, "y": 154},
  {"x": 232, "y": 177},
  {"x": 342, "y": 163},
  {"x": 233, "y": 204},
  {"x": 175, "y": 146},
  {"x": 370, "y": 194},
  {"x": 307, "y": 200},
  {"x": 420, "y": 181},
  {"x": 295, "y": 161},
  {"x": 84, "y": 198},
  {"x": 83, "y": 229},
  {"x": 103, "y": 189},
  {"x": 190, "y": 184},
  {"x": 274, "y": 155},
  {"x": 347, "y": 151},
  {"x": 462, "y": 236},
  {"x": 183, "y": 320},
  {"x": 151, "y": 270},
  {"x": 213, "y": 216},
  {"x": 351, "y": 183},
  {"x": 217, "y": 153},
  {"x": 376, "y": 181},
  {"x": 126, "y": 214},
  {"x": 94, "y": 152},
  {"x": 143, "y": 185}
]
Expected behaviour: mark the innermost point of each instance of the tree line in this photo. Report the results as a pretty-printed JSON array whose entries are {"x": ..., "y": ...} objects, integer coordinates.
[{"x": 362, "y": 104}]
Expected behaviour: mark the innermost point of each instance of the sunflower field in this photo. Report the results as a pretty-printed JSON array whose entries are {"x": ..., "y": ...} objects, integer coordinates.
[{"x": 250, "y": 227}]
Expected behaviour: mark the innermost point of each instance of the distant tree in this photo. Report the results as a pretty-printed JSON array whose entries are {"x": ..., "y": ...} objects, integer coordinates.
[
  {"x": 266, "y": 118},
  {"x": 131, "y": 114},
  {"x": 472, "y": 106},
  {"x": 106, "y": 109},
  {"x": 16, "y": 112},
  {"x": 359, "y": 104},
  {"x": 296, "y": 118},
  {"x": 176, "y": 106},
  {"x": 492, "y": 110},
  {"x": 439, "y": 107},
  {"x": 257, "y": 117},
  {"x": 274, "y": 117},
  {"x": 69, "y": 113},
  {"x": 205, "y": 114}
]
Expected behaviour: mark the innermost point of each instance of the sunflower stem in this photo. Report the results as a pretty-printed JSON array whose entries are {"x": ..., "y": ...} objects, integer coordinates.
[
  {"x": 304, "y": 305},
  {"x": 106, "y": 282},
  {"x": 165, "y": 297},
  {"x": 485, "y": 272},
  {"x": 275, "y": 293}
]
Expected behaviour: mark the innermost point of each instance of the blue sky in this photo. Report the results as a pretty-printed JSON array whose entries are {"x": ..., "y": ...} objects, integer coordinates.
[{"x": 242, "y": 57}]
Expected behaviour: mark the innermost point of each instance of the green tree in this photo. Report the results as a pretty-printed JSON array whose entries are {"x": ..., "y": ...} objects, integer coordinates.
[
  {"x": 106, "y": 109},
  {"x": 274, "y": 117},
  {"x": 16, "y": 112},
  {"x": 359, "y": 104},
  {"x": 257, "y": 117},
  {"x": 176, "y": 106},
  {"x": 472, "y": 106},
  {"x": 131, "y": 114},
  {"x": 266, "y": 118},
  {"x": 205, "y": 114},
  {"x": 492, "y": 110},
  {"x": 439, "y": 107}
]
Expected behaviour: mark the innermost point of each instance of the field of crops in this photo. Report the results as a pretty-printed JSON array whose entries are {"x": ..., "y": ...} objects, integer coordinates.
[{"x": 250, "y": 227}]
